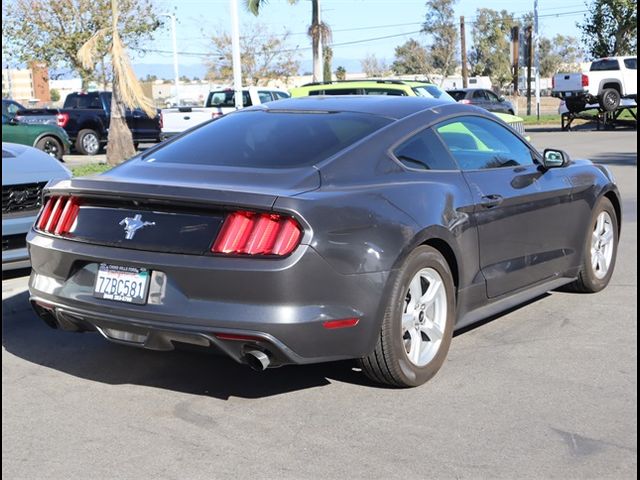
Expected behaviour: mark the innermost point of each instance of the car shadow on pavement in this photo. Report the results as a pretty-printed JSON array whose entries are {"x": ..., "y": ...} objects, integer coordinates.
[
  {"x": 90, "y": 356},
  {"x": 616, "y": 158}
]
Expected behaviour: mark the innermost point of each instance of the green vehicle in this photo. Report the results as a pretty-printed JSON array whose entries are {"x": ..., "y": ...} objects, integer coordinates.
[
  {"x": 408, "y": 88},
  {"x": 51, "y": 139}
]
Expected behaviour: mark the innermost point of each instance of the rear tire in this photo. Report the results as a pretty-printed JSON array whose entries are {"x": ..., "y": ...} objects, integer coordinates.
[
  {"x": 51, "y": 146},
  {"x": 609, "y": 100},
  {"x": 418, "y": 323},
  {"x": 88, "y": 142},
  {"x": 600, "y": 250}
]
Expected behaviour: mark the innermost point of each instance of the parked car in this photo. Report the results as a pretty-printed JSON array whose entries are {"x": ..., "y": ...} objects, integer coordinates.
[
  {"x": 25, "y": 172},
  {"x": 607, "y": 81},
  {"x": 483, "y": 98},
  {"x": 218, "y": 102},
  {"x": 85, "y": 117},
  {"x": 51, "y": 139},
  {"x": 394, "y": 88},
  {"x": 371, "y": 229}
]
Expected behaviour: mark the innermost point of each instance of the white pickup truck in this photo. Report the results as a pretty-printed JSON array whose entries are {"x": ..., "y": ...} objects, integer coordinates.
[
  {"x": 607, "y": 81},
  {"x": 220, "y": 101}
]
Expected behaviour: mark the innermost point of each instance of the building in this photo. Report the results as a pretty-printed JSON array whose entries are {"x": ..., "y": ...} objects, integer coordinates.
[{"x": 28, "y": 86}]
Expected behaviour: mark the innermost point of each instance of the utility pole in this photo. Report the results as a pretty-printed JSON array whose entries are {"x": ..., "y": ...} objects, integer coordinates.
[
  {"x": 537, "y": 57},
  {"x": 176, "y": 76},
  {"x": 529, "y": 55},
  {"x": 463, "y": 51},
  {"x": 235, "y": 54},
  {"x": 515, "y": 52}
]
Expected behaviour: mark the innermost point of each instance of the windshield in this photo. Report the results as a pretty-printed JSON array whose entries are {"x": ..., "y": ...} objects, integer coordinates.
[
  {"x": 269, "y": 139},
  {"x": 432, "y": 91}
]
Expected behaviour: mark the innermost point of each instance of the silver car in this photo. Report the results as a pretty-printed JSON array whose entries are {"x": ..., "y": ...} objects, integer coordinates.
[{"x": 25, "y": 171}]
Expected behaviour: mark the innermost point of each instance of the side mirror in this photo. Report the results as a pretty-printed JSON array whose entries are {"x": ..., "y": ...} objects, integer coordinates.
[
  {"x": 502, "y": 98},
  {"x": 552, "y": 158}
]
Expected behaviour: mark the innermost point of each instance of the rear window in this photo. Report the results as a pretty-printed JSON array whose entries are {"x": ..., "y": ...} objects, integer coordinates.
[
  {"x": 606, "y": 64},
  {"x": 457, "y": 94},
  {"x": 227, "y": 98},
  {"x": 84, "y": 101},
  {"x": 269, "y": 139}
]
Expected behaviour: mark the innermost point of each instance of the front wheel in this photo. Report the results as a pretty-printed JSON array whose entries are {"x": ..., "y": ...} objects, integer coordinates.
[
  {"x": 51, "y": 146},
  {"x": 418, "y": 323},
  {"x": 600, "y": 249}
]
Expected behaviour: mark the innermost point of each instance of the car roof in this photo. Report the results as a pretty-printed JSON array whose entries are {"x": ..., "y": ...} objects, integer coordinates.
[{"x": 388, "y": 106}]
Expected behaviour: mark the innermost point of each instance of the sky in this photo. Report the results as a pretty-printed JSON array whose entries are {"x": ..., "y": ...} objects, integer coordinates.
[{"x": 360, "y": 27}]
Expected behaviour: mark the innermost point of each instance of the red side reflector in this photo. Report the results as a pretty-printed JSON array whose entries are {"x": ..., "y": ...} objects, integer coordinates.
[
  {"x": 344, "y": 323},
  {"x": 257, "y": 234}
]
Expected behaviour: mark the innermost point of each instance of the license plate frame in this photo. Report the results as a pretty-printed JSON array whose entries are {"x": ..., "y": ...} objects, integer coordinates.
[{"x": 108, "y": 286}]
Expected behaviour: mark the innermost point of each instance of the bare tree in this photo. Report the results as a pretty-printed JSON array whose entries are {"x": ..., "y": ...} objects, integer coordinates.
[{"x": 374, "y": 67}]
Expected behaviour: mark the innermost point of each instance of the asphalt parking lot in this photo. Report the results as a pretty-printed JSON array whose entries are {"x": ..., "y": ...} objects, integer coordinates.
[{"x": 548, "y": 390}]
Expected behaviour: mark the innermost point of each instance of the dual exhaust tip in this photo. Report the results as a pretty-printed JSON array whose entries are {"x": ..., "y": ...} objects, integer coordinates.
[{"x": 257, "y": 360}]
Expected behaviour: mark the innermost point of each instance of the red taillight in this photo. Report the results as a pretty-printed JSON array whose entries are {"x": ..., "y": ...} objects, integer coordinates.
[
  {"x": 58, "y": 215},
  {"x": 465, "y": 101},
  {"x": 62, "y": 119},
  {"x": 253, "y": 233},
  {"x": 585, "y": 80}
]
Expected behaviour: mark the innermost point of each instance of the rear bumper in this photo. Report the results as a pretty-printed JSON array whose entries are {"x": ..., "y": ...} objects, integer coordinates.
[{"x": 281, "y": 305}]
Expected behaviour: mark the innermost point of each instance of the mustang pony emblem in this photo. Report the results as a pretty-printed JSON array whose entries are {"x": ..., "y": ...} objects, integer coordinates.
[{"x": 133, "y": 224}]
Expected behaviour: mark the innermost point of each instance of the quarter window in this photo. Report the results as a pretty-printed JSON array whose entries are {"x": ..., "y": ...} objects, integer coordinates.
[
  {"x": 479, "y": 143},
  {"x": 631, "y": 63},
  {"x": 425, "y": 151}
]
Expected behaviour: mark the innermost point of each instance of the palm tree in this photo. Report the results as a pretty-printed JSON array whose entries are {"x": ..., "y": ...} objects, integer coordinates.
[
  {"x": 126, "y": 89},
  {"x": 318, "y": 31}
]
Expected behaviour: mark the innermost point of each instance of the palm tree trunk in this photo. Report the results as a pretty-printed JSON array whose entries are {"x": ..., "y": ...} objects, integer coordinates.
[
  {"x": 316, "y": 40},
  {"x": 120, "y": 141}
]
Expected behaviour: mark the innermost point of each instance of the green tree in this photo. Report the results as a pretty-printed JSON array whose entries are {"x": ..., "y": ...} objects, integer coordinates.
[
  {"x": 489, "y": 54},
  {"x": 126, "y": 92},
  {"x": 611, "y": 28},
  {"x": 341, "y": 73},
  {"x": 55, "y": 94},
  {"x": 263, "y": 56},
  {"x": 53, "y": 31},
  {"x": 440, "y": 24},
  {"x": 327, "y": 57},
  {"x": 319, "y": 31},
  {"x": 560, "y": 53},
  {"x": 411, "y": 58}
]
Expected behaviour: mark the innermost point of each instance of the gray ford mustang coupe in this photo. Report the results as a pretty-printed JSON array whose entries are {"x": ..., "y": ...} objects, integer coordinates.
[{"x": 318, "y": 229}]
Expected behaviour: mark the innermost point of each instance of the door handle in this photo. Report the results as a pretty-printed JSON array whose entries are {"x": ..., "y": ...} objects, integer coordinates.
[{"x": 490, "y": 201}]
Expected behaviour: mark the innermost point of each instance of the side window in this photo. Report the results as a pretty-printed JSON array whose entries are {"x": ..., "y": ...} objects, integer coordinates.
[
  {"x": 479, "y": 95},
  {"x": 631, "y": 63},
  {"x": 492, "y": 97},
  {"x": 279, "y": 95},
  {"x": 265, "y": 97},
  {"x": 384, "y": 91},
  {"x": 425, "y": 151},
  {"x": 12, "y": 108},
  {"x": 479, "y": 143},
  {"x": 246, "y": 99},
  {"x": 341, "y": 91}
]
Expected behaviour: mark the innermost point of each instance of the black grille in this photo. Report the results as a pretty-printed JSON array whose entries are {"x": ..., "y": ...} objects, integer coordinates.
[
  {"x": 11, "y": 242},
  {"x": 24, "y": 197}
]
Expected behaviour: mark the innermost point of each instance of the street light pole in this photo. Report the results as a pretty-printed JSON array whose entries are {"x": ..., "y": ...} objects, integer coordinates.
[
  {"x": 235, "y": 54},
  {"x": 176, "y": 77}
]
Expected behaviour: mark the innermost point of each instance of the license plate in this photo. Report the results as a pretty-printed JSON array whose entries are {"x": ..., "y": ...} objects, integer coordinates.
[{"x": 122, "y": 284}]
